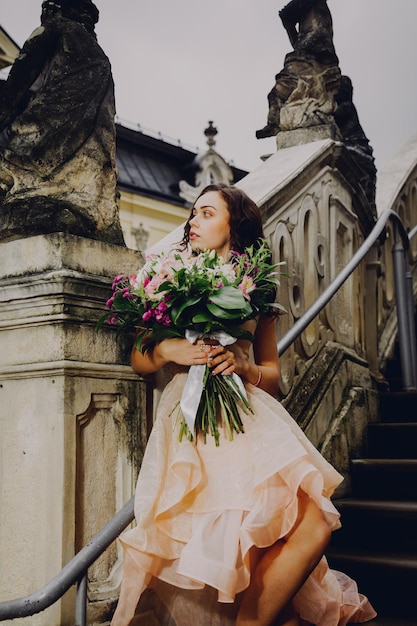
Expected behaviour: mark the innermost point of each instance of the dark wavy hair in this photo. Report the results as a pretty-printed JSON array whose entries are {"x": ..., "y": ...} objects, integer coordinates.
[{"x": 245, "y": 217}]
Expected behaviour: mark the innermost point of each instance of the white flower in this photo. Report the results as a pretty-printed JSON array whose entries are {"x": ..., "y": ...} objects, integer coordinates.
[{"x": 229, "y": 272}]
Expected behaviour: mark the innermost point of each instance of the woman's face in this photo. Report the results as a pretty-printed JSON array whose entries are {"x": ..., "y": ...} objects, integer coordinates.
[{"x": 210, "y": 224}]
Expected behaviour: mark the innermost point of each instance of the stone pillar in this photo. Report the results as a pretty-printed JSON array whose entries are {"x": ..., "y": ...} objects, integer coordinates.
[{"x": 72, "y": 416}]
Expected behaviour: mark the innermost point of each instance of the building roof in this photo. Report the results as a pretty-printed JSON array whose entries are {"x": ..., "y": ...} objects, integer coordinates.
[
  {"x": 154, "y": 166},
  {"x": 150, "y": 165}
]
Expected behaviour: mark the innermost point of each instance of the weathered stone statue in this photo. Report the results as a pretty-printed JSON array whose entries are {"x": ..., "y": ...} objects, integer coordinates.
[
  {"x": 304, "y": 91},
  {"x": 311, "y": 99},
  {"x": 57, "y": 169}
]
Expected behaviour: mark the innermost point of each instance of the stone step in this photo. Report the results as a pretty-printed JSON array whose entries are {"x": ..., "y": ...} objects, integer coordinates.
[
  {"x": 385, "y": 479},
  {"x": 366, "y": 524},
  {"x": 388, "y": 580},
  {"x": 394, "y": 440},
  {"x": 400, "y": 406},
  {"x": 382, "y": 620}
]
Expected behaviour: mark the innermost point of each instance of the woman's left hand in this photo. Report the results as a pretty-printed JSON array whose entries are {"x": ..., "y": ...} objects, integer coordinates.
[{"x": 221, "y": 360}]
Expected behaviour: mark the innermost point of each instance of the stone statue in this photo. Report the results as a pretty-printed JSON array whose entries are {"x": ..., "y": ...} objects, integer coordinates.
[
  {"x": 311, "y": 99},
  {"x": 303, "y": 94},
  {"x": 57, "y": 167},
  {"x": 314, "y": 36}
]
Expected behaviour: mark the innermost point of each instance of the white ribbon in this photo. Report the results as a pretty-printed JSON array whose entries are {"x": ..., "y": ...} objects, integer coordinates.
[{"x": 193, "y": 387}]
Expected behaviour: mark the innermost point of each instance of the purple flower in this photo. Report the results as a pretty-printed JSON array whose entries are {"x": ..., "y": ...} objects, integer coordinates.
[
  {"x": 110, "y": 301},
  {"x": 162, "y": 306},
  {"x": 117, "y": 280}
]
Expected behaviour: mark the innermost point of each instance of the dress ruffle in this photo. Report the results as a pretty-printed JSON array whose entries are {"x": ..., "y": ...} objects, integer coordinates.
[{"x": 200, "y": 508}]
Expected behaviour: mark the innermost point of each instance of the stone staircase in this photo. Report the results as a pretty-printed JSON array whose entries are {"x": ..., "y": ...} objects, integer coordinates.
[{"x": 377, "y": 544}]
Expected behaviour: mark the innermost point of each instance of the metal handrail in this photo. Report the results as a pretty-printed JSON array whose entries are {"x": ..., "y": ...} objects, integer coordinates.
[
  {"x": 76, "y": 570},
  {"x": 412, "y": 233}
]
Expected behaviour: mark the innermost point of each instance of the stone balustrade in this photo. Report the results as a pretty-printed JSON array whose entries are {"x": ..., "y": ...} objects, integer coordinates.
[{"x": 315, "y": 219}]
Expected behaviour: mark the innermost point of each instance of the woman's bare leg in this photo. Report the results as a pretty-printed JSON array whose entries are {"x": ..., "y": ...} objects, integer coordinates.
[
  {"x": 284, "y": 567},
  {"x": 288, "y": 617}
]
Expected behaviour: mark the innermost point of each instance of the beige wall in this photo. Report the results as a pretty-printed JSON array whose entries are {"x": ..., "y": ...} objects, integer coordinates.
[
  {"x": 158, "y": 218},
  {"x": 8, "y": 50}
]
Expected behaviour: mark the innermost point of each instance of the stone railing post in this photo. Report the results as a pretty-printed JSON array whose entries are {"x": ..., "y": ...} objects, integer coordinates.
[{"x": 72, "y": 417}]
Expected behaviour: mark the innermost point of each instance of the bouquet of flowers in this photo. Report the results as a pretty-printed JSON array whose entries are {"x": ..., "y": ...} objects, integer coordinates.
[{"x": 184, "y": 294}]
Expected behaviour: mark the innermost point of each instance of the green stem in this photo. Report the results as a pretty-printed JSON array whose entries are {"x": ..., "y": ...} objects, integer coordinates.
[{"x": 220, "y": 399}]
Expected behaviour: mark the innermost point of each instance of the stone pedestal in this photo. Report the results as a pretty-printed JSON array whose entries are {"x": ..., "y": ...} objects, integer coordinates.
[
  {"x": 301, "y": 136},
  {"x": 72, "y": 416}
]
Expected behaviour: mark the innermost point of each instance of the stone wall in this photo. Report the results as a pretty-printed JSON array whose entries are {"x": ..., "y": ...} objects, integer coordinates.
[
  {"x": 316, "y": 218},
  {"x": 315, "y": 221}
]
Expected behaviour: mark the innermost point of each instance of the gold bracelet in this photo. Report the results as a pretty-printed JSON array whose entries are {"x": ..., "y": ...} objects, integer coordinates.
[{"x": 259, "y": 377}]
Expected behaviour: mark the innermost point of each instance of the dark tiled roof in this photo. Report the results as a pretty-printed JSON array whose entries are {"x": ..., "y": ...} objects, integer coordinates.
[{"x": 149, "y": 165}]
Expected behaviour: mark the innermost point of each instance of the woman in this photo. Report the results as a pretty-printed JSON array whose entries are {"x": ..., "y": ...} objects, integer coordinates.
[{"x": 233, "y": 534}]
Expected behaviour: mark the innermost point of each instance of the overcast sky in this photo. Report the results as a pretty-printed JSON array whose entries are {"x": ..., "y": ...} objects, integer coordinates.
[{"x": 179, "y": 63}]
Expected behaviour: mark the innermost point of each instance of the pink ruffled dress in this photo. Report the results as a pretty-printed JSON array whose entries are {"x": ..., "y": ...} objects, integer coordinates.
[{"x": 200, "y": 508}]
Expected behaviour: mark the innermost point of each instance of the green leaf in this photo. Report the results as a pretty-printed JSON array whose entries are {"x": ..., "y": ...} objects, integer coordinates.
[
  {"x": 175, "y": 313},
  {"x": 165, "y": 332},
  {"x": 231, "y": 314},
  {"x": 229, "y": 298},
  {"x": 223, "y": 313},
  {"x": 239, "y": 333},
  {"x": 201, "y": 318},
  {"x": 102, "y": 319}
]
